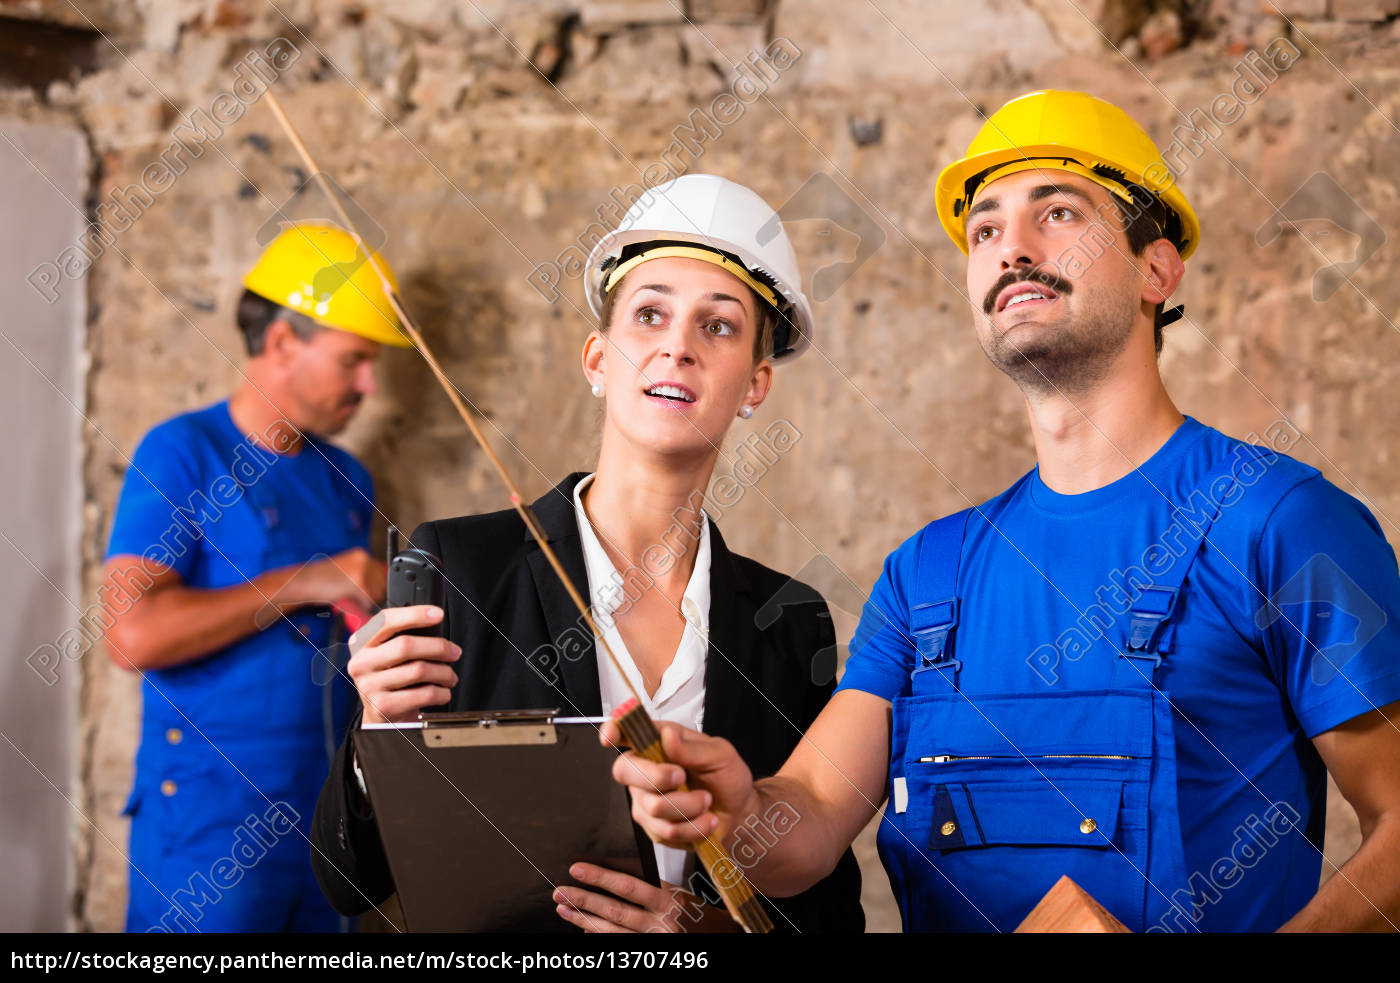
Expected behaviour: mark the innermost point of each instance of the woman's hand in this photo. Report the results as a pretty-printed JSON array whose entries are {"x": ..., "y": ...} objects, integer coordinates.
[
  {"x": 398, "y": 675},
  {"x": 643, "y": 908}
]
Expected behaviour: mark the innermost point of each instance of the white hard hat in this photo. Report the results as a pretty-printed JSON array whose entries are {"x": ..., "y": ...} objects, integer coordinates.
[{"x": 720, "y": 217}]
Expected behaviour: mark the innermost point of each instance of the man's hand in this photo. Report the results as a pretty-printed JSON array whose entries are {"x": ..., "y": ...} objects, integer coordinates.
[
  {"x": 833, "y": 782},
  {"x": 721, "y": 785},
  {"x": 353, "y": 575},
  {"x": 398, "y": 675},
  {"x": 644, "y": 908}
]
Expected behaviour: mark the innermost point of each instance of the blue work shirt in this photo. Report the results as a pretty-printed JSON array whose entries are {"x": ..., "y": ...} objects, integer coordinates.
[
  {"x": 1288, "y": 625},
  {"x": 219, "y": 509}
]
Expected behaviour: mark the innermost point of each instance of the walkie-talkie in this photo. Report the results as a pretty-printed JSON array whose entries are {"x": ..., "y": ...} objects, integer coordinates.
[{"x": 415, "y": 577}]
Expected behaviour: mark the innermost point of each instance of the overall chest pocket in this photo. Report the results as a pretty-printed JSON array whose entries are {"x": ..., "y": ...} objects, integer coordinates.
[
  {"x": 1067, "y": 812},
  {"x": 1005, "y": 794}
]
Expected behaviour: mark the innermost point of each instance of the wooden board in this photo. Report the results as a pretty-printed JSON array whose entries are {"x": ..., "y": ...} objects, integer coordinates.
[{"x": 1067, "y": 907}]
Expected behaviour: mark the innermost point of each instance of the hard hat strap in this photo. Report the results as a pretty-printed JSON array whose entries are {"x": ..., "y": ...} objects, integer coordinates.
[
  {"x": 1111, "y": 179},
  {"x": 785, "y": 331},
  {"x": 765, "y": 292}
]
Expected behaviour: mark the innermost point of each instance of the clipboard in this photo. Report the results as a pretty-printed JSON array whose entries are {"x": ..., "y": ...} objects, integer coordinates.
[{"x": 481, "y": 814}]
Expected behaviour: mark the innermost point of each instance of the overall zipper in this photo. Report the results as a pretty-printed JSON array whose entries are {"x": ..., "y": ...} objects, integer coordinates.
[{"x": 938, "y": 759}]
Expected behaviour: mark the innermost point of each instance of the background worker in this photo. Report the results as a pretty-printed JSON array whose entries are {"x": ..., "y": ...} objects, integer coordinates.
[
  {"x": 1137, "y": 665},
  {"x": 237, "y": 525}
]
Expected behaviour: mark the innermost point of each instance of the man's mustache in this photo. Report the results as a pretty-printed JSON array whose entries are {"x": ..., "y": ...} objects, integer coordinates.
[{"x": 1043, "y": 276}]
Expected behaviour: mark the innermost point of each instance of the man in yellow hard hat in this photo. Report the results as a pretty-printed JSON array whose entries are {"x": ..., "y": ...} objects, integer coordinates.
[
  {"x": 238, "y": 526},
  {"x": 1134, "y": 667}
]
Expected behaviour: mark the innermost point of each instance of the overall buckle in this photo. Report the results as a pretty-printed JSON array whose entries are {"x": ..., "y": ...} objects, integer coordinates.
[
  {"x": 933, "y": 623},
  {"x": 1153, "y": 607},
  {"x": 953, "y": 664}
]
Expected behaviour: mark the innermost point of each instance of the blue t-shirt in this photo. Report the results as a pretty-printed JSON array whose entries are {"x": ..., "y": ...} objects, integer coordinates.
[
  {"x": 1288, "y": 625},
  {"x": 219, "y": 509}
]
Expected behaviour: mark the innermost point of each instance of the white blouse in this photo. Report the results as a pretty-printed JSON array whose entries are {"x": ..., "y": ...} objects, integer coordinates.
[{"x": 680, "y": 697}]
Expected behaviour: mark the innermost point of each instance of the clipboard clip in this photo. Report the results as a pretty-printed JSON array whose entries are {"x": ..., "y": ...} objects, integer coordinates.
[{"x": 489, "y": 728}]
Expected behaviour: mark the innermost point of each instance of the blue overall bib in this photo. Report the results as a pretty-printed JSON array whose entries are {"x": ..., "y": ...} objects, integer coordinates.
[{"x": 995, "y": 795}]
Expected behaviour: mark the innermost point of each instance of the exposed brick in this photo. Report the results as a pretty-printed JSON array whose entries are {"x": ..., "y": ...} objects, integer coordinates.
[
  {"x": 1365, "y": 10},
  {"x": 1294, "y": 8},
  {"x": 737, "y": 11},
  {"x": 607, "y": 16}
]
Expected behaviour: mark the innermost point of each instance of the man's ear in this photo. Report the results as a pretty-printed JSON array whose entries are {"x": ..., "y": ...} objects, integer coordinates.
[
  {"x": 594, "y": 362},
  {"x": 280, "y": 342},
  {"x": 1164, "y": 272}
]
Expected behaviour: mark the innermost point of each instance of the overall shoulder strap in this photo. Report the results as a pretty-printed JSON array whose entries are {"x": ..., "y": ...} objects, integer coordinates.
[
  {"x": 1151, "y": 619},
  {"x": 933, "y": 607}
]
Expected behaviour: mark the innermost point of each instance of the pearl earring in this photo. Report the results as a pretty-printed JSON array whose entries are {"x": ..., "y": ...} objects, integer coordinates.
[
  {"x": 598, "y": 389},
  {"x": 746, "y": 412}
]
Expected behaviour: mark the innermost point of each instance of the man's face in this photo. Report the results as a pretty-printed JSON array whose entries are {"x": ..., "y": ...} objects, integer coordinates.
[
  {"x": 1056, "y": 288},
  {"x": 327, "y": 377}
]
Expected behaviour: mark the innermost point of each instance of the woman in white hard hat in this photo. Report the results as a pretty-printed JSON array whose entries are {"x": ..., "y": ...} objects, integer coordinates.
[{"x": 698, "y": 297}]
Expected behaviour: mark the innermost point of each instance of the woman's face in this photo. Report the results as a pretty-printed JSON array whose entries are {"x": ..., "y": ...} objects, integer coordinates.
[{"x": 677, "y": 361}]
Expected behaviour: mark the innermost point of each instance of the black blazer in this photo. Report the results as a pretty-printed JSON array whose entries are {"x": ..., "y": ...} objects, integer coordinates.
[{"x": 766, "y": 633}]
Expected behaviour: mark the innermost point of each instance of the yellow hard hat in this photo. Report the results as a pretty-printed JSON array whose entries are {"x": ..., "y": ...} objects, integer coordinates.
[
  {"x": 1071, "y": 131},
  {"x": 321, "y": 271}
]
